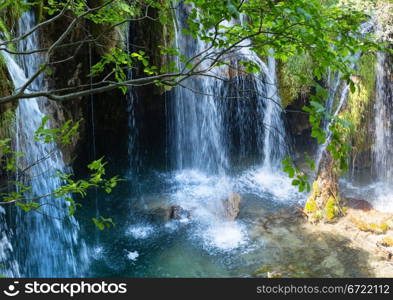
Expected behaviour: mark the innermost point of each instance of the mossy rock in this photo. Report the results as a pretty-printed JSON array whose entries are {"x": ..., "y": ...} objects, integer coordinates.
[
  {"x": 379, "y": 228},
  {"x": 387, "y": 242},
  {"x": 375, "y": 228}
]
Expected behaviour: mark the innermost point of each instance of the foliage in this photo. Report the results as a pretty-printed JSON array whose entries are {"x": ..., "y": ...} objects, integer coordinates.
[
  {"x": 300, "y": 178},
  {"x": 22, "y": 195},
  {"x": 336, "y": 143},
  {"x": 61, "y": 135},
  {"x": 11, "y": 11},
  {"x": 112, "y": 12},
  {"x": 295, "y": 77},
  {"x": 380, "y": 10},
  {"x": 102, "y": 222}
]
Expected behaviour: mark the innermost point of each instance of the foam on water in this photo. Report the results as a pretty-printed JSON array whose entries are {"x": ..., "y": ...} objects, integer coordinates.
[
  {"x": 201, "y": 194},
  {"x": 262, "y": 182},
  {"x": 132, "y": 255},
  {"x": 140, "y": 231},
  {"x": 225, "y": 236}
]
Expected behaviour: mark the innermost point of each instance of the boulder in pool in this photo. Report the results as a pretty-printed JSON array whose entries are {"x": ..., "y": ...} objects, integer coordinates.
[{"x": 231, "y": 206}]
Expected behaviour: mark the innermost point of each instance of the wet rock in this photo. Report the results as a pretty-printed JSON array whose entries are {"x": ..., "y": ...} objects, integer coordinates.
[
  {"x": 386, "y": 242},
  {"x": 231, "y": 206},
  {"x": 358, "y": 204},
  {"x": 274, "y": 275},
  {"x": 173, "y": 212},
  {"x": 177, "y": 212},
  {"x": 160, "y": 214}
]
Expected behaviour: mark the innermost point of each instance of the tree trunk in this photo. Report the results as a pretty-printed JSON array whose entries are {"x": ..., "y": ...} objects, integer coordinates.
[{"x": 324, "y": 201}]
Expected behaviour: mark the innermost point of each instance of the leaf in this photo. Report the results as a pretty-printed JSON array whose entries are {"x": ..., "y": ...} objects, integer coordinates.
[{"x": 98, "y": 224}]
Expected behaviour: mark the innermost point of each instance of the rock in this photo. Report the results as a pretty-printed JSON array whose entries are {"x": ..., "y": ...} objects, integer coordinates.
[
  {"x": 358, "y": 204},
  {"x": 376, "y": 228},
  {"x": 274, "y": 275},
  {"x": 387, "y": 242},
  {"x": 232, "y": 206},
  {"x": 167, "y": 213},
  {"x": 160, "y": 214},
  {"x": 177, "y": 212}
]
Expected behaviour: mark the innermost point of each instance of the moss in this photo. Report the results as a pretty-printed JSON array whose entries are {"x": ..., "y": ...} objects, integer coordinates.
[
  {"x": 7, "y": 113},
  {"x": 39, "y": 10},
  {"x": 331, "y": 209},
  {"x": 11, "y": 14},
  {"x": 380, "y": 228},
  {"x": 311, "y": 205},
  {"x": 387, "y": 242},
  {"x": 294, "y": 76},
  {"x": 315, "y": 188},
  {"x": 6, "y": 85},
  {"x": 7, "y": 120},
  {"x": 359, "y": 224},
  {"x": 359, "y": 106}
]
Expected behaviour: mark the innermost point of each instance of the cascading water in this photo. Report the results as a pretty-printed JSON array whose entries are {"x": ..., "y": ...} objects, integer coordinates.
[
  {"x": 196, "y": 126},
  {"x": 226, "y": 136},
  {"x": 211, "y": 115},
  {"x": 46, "y": 241},
  {"x": 383, "y": 145},
  {"x": 382, "y": 149},
  {"x": 132, "y": 103},
  {"x": 9, "y": 265},
  {"x": 378, "y": 189}
]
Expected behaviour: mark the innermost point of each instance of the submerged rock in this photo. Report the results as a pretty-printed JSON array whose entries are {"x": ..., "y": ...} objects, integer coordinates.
[
  {"x": 231, "y": 206},
  {"x": 167, "y": 213}
]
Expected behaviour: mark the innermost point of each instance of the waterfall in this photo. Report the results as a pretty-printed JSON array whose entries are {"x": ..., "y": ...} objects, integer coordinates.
[
  {"x": 383, "y": 135},
  {"x": 46, "y": 240},
  {"x": 378, "y": 188},
  {"x": 382, "y": 148},
  {"x": 196, "y": 125},
  {"x": 212, "y": 119},
  {"x": 132, "y": 104},
  {"x": 9, "y": 265}
]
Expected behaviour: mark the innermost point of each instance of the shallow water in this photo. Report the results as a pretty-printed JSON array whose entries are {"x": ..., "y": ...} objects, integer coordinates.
[{"x": 266, "y": 235}]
